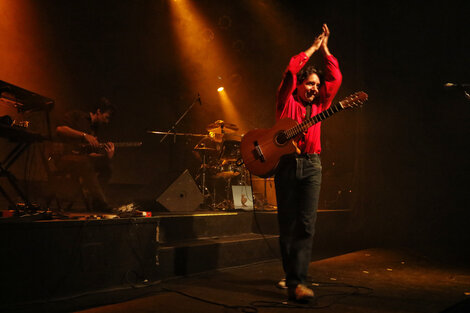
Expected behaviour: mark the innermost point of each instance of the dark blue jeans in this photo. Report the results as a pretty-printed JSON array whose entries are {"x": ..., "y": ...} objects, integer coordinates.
[{"x": 297, "y": 184}]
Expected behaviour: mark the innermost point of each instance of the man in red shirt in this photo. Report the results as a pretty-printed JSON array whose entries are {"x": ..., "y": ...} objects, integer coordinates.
[{"x": 304, "y": 92}]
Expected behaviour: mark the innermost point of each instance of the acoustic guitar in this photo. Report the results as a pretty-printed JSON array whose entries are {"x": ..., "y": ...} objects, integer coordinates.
[{"x": 262, "y": 149}]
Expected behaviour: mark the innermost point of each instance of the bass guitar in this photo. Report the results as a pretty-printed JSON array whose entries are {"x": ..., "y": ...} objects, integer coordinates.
[
  {"x": 87, "y": 148},
  {"x": 262, "y": 149},
  {"x": 58, "y": 149}
]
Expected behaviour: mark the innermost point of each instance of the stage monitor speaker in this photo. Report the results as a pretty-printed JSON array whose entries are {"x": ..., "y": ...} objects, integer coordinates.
[{"x": 182, "y": 195}]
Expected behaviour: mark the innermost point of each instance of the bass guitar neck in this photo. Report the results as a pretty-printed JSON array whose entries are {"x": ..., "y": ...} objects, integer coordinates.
[{"x": 87, "y": 148}]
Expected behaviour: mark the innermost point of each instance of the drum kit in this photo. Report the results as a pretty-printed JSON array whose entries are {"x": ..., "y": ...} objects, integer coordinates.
[
  {"x": 219, "y": 153},
  {"x": 221, "y": 166}
]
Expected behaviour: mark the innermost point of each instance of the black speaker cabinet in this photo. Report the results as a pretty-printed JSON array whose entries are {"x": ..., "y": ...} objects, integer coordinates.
[{"x": 182, "y": 195}]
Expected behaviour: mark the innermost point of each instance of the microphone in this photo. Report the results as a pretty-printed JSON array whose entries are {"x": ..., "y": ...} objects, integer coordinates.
[{"x": 453, "y": 85}]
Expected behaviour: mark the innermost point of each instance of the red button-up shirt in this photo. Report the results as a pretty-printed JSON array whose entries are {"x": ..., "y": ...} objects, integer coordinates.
[{"x": 289, "y": 105}]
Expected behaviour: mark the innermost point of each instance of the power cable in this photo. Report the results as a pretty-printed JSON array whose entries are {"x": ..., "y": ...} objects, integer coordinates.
[
  {"x": 242, "y": 308},
  {"x": 274, "y": 254}
]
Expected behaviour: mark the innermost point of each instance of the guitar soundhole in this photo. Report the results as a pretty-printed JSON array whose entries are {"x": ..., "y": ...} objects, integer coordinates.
[{"x": 281, "y": 138}]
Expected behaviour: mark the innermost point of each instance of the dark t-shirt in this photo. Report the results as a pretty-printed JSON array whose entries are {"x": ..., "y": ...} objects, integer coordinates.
[{"x": 80, "y": 121}]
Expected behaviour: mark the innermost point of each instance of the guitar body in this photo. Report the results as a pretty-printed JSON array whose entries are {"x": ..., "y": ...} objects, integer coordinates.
[{"x": 260, "y": 150}]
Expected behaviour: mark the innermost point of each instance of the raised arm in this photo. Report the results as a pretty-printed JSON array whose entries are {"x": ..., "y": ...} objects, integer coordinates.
[
  {"x": 289, "y": 82},
  {"x": 324, "y": 43},
  {"x": 333, "y": 76}
]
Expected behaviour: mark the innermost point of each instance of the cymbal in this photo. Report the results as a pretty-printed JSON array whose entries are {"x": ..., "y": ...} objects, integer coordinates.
[
  {"x": 227, "y": 174},
  {"x": 203, "y": 145},
  {"x": 220, "y": 126},
  {"x": 204, "y": 148}
]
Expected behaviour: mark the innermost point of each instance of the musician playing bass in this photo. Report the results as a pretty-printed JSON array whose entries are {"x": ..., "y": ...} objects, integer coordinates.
[
  {"x": 84, "y": 157},
  {"x": 303, "y": 91}
]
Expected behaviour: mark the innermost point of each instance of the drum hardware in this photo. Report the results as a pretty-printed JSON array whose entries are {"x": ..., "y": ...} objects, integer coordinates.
[
  {"x": 216, "y": 137},
  {"x": 202, "y": 150},
  {"x": 227, "y": 169},
  {"x": 239, "y": 161}
]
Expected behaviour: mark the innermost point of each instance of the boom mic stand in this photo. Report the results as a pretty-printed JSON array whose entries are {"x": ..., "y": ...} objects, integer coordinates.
[
  {"x": 173, "y": 128},
  {"x": 172, "y": 131}
]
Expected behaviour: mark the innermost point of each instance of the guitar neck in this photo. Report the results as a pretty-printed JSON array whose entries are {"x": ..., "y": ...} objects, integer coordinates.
[
  {"x": 305, "y": 125},
  {"x": 126, "y": 144},
  {"x": 86, "y": 148}
]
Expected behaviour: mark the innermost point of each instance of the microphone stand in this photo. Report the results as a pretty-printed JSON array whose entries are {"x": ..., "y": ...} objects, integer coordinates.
[{"x": 173, "y": 128}]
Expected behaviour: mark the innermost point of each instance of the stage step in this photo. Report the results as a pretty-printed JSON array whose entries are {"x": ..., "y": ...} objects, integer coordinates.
[
  {"x": 180, "y": 227},
  {"x": 205, "y": 254},
  {"x": 205, "y": 241}
]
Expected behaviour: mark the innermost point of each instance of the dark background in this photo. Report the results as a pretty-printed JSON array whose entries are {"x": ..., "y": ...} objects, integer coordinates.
[{"x": 399, "y": 162}]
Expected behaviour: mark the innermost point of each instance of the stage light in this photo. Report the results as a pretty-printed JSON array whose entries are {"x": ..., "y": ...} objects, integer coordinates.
[
  {"x": 208, "y": 35},
  {"x": 199, "y": 46},
  {"x": 225, "y": 22}
]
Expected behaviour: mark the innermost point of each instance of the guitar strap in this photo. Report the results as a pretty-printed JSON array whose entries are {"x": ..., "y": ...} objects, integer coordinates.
[{"x": 308, "y": 110}]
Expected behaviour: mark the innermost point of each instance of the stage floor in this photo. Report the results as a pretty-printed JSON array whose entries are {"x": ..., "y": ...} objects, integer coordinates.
[{"x": 372, "y": 280}]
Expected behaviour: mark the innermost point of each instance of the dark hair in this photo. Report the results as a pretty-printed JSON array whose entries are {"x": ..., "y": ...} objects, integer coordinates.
[
  {"x": 306, "y": 72},
  {"x": 104, "y": 105}
]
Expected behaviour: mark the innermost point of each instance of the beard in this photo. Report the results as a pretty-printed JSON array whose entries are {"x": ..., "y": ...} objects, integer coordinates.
[{"x": 309, "y": 96}]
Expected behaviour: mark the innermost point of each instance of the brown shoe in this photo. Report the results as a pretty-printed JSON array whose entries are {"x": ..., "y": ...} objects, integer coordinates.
[
  {"x": 282, "y": 284},
  {"x": 300, "y": 293}
]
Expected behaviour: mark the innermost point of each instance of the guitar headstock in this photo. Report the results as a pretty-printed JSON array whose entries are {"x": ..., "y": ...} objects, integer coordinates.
[{"x": 355, "y": 100}]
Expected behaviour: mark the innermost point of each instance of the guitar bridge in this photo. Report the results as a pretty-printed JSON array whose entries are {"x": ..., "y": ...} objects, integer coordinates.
[{"x": 258, "y": 152}]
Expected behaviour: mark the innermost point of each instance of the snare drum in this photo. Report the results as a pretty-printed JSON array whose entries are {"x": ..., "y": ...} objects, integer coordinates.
[{"x": 227, "y": 169}]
